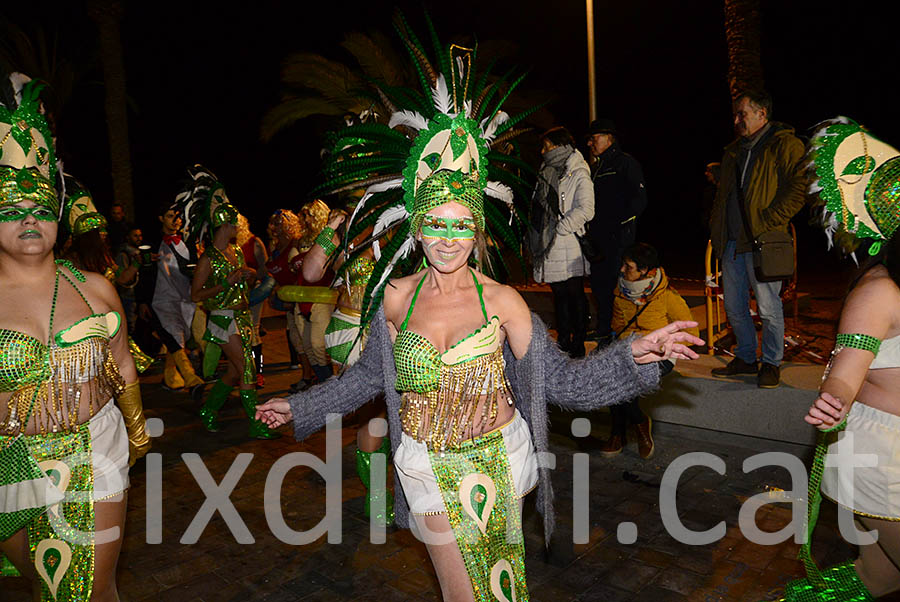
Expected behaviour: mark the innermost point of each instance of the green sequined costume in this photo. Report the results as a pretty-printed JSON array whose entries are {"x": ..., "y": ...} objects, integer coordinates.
[{"x": 223, "y": 320}]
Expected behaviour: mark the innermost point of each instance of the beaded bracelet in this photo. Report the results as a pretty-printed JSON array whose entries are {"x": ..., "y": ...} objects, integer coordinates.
[
  {"x": 324, "y": 241},
  {"x": 859, "y": 341}
]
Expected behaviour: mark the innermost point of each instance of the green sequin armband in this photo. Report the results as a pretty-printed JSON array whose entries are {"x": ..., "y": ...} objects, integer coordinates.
[
  {"x": 324, "y": 241},
  {"x": 859, "y": 341}
]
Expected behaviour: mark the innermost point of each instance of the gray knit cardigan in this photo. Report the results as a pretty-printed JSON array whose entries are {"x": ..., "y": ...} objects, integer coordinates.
[{"x": 543, "y": 374}]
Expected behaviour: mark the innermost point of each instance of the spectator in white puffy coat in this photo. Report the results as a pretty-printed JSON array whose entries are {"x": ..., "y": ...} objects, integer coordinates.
[{"x": 565, "y": 192}]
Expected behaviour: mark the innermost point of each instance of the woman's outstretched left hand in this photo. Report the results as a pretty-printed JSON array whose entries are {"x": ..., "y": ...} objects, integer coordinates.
[{"x": 666, "y": 343}]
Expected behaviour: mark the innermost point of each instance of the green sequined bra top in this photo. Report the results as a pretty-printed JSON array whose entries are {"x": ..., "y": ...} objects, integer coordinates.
[
  {"x": 78, "y": 361},
  {"x": 231, "y": 296},
  {"x": 442, "y": 391}
]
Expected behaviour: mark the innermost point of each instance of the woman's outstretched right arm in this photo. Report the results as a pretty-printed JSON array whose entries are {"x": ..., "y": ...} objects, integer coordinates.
[{"x": 361, "y": 382}]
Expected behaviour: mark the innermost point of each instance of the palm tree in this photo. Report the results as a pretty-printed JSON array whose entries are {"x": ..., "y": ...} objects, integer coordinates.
[
  {"x": 107, "y": 14},
  {"x": 742, "y": 33},
  {"x": 316, "y": 85}
]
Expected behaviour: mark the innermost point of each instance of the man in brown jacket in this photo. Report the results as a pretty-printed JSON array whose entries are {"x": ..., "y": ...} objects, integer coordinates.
[{"x": 765, "y": 164}]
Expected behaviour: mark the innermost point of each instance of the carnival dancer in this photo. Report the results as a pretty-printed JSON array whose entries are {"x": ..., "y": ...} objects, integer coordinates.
[
  {"x": 64, "y": 359},
  {"x": 858, "y": 407},
  {"x": 221, "y": 283},
  {"x": 343, "y": 340},
  {"x": 255, "y": 258},
  {"x": 455, "y": 353},
  {"x": 87, "y": 247},
  {"x": 284, "y": 230},
  {"x": 172, "y": 305}
]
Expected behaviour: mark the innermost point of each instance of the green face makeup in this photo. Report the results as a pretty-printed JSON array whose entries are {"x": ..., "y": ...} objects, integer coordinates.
[
  {"x": 15, "y": 214},
  {"x": 450, "y": 229}
]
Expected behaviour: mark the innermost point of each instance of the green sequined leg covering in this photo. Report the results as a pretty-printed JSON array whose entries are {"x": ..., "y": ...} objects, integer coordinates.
[
  {"x": 364, "y": 470},
  {"x": 216, "y": 398},
  {"x": 258, "y": 430},
  {"x": 244, "y": 323},
  {"x": 840, "y": 583},
  {"x": 61, "y": 539},
  {"x": 483, "y": 510},
  {"x": 7, "y": 568}
]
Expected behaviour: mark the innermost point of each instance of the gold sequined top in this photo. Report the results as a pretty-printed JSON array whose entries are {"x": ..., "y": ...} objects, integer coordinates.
[
  {"x": 78, "y": 366},
  {"x": 442, "y": 392}
]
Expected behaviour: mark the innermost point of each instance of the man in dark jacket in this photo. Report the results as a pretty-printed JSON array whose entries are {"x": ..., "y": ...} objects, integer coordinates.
[
  {"x": 619, "y": 199},
  {"x": 764, "y": 163}
]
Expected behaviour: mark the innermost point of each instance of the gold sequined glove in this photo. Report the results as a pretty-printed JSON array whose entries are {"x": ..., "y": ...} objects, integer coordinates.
[{"x": 133, "y": 413}]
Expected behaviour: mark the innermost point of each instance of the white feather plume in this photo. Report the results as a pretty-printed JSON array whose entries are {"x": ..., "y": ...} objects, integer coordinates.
[
  {"x": 408, "y": 118},
  {"x": 499, "y": 191},
  {"x": 374, "y": 189},
  {"x": 402, "y": 252},
  {"x": 468, "y": 109},
  {"x": 389, "y": 218},
  {"x": 490, "y": 129},
  {"x": 815, "y": 187},
  {"x": 376, "y": 249},
  {"x": 441, "y": 96}
]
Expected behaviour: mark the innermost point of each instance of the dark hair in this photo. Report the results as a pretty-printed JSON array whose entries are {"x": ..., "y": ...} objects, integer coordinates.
[
  {"x": 643, "y": 255},
  {"x": 889, "y": 256},
  {"x": 91, "y": 251},
  {"x": 760, "y": 98},
  {"x": 558, "y": 136},
  {"x": 164, "y": 207},
  {"x": 117, "y": 204}
]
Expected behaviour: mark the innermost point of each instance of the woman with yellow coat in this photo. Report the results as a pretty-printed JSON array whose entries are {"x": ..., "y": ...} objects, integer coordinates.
[{"x": 643, "y": 302}]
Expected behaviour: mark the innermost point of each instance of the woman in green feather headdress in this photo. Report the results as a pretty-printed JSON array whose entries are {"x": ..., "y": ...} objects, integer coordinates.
[
  {"x": 442, "y": 332},
  {"x": 858, "y": 406}
]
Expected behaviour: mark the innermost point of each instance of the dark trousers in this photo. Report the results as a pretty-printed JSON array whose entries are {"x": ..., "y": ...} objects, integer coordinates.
[
  {"x": 571, "y": 306},
  {"x": 629, "y": 413},
  {"x": 604, "y": 278}
]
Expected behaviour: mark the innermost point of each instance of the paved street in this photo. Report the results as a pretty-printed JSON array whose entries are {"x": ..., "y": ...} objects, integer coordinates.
[{"x": 623, "y": 489}]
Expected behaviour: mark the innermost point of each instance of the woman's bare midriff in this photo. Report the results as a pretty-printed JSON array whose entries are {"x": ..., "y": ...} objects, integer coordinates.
[
  {"x": 881, "y": 390},
  {"x": 40, "y": 414}
]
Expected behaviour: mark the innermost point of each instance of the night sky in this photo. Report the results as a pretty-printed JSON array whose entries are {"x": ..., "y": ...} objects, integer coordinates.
[{"x": 201, "y": 75}]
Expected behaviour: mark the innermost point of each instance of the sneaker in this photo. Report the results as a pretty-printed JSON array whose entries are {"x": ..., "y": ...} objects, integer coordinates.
[
  {"x": 613, "y": 446},
  {"x": 646, "y": 447},
  {"x": 769, "y": 376},
  {"x": 734, "y": 368},
  {"x": 301, "y": 385}
]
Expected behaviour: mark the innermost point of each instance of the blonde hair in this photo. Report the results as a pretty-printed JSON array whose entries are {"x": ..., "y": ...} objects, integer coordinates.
[
  {"x": 315, "y": 215},
  {"x": 243, "y": 230},
  {"x": 288, "y": 224}
]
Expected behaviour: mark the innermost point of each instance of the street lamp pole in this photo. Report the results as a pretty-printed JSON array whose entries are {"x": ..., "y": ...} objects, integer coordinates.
[{"x": 592, "y": 75}]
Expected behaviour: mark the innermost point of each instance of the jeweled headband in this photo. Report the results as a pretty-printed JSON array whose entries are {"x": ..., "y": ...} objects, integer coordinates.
[{"x": 17, "y": 185}]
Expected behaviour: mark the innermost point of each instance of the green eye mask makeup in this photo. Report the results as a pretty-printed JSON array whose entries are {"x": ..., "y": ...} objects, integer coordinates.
[
  {"x": 15, "y": 214},
  {"x": 448, "y": 228}
]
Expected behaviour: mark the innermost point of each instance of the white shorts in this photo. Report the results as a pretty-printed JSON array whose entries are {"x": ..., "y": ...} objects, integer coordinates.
[
  {"x": 420, "y": 485},
  {"x": 871, "y": 490},
  {"x": 108, "y": 458}
]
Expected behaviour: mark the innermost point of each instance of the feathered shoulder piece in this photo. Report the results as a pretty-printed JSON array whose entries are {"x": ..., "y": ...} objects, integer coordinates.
[
  {"x": 203, "y": 204},
  {"x": 452, "y": 123},
  {"x": 857, "y": 176}
]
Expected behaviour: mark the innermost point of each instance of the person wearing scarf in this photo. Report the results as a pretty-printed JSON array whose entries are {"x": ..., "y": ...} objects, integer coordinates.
[
  {"x": 643, "y": 302},
  {"x": 564, "y": 200}
]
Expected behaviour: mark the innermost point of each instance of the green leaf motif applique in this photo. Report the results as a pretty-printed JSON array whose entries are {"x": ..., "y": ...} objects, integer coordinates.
[
  {"x": 506, "y": 585},
  {"x": 432, "y": 161},
  {"x": 51, "y": 561},
  {"x": 859, "y": 166},
  {"x": 458, "y": 141},
  {"x": 479, "y": 500}
]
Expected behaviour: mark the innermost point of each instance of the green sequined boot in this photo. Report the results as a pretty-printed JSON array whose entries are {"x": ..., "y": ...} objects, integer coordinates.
[
  {"x": 842, "y": 584},
  {"x": 364, "y": 470},
  {"x": 258, "y": 430},
  {"x": 209, "y": 413}
]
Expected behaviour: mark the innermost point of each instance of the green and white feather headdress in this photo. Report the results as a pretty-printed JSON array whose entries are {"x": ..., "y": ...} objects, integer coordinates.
[
  {"x": 858, "y": 178},
  {"x": 203, "y": 204},
  {"x": 438, "y": 146}
]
